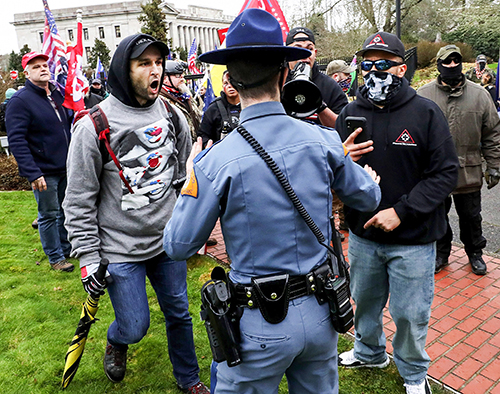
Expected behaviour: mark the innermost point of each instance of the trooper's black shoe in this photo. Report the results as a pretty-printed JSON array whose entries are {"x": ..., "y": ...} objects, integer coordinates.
[
  {"x": 477, "y": 263},
  {"x": 115, "y": 363},
  {"x": 441, "y": 262}
]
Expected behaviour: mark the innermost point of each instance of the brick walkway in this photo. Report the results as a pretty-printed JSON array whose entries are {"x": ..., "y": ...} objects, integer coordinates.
[{"x": 464, "y": 334}]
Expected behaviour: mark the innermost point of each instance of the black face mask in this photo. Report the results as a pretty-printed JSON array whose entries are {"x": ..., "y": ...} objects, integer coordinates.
[
  {"x": 482, "y": 66},
  {"x": 450, "y": 75}
]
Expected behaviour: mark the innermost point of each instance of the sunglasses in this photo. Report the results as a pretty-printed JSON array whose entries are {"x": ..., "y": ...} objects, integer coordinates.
[
  {"x": 450, "y": 59},
  {"x": 380, "y": 65}
]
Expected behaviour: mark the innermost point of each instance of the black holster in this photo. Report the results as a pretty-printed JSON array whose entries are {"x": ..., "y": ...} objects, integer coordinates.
[{"x": 221, "y": 319}]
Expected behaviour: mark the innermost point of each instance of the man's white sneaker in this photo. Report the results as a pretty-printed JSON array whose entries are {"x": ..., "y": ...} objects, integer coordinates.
[
  {"x": 422, "y": 388},
  {"x": 348, "y": 360}
]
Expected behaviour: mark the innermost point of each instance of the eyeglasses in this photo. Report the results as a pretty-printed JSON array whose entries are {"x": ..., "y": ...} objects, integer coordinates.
[
  {"x": 450, "y": 59},
  {"x": 380, "y": 65}
]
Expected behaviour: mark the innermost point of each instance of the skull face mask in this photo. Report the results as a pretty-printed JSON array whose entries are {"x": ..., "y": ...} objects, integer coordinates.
[{"x": 381, "y": 86}]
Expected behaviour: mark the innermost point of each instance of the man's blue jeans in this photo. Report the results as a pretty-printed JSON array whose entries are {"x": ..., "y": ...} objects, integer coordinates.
[
  {"x": 130, "y": 302},
  {"x": 53, "y": 235},
  {"x": 406, "y": 272}
]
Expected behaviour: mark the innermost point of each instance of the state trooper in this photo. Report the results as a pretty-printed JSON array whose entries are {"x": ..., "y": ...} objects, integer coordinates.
[{"x": 265, "y": 236}]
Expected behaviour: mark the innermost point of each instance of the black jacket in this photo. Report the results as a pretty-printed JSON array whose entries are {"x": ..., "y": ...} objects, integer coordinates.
[
  {"x": 212, "y": 122},
  {"x": 415, "y": 157}
]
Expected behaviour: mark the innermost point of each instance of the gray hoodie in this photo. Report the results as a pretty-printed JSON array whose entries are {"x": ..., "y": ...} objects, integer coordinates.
[{"x": 103, "y": 218}]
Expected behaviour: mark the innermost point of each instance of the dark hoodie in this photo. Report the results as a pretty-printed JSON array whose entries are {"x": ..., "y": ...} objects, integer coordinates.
[
  {"x": 415, "y": 157},
  {"x": 119, "y": 83}
]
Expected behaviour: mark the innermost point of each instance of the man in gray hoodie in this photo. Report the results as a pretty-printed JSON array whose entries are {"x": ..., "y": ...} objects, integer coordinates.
[{"x": 123, "y": 222}]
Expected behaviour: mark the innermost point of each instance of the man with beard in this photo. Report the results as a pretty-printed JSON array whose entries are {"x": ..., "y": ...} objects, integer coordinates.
[
  {"x": 334, "y": 98},
  {"x": 123, "y": 221},
  {"x": 475, "y": 127},
  {"x": 392, "y": 250},
  {"x": 178, "y": 94},
  {"x": 222, "y": 115}
]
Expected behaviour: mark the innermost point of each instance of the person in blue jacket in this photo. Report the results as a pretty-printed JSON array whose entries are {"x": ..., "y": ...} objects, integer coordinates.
[
  {"x": 38, "y": 129},
  {"x": 263, "y": 232}
]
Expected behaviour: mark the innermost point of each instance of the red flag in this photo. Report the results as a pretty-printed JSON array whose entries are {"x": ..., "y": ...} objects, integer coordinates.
[
  {"x": 273, "y": 8},
  {"x": 76, "y": 84}
]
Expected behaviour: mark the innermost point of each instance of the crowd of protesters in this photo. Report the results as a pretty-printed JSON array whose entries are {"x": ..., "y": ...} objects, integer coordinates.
[{"x": 174, "y": 164}]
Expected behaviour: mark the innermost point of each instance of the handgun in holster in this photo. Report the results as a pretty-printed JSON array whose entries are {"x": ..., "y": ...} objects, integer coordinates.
[{"x": 221, "y": 318}]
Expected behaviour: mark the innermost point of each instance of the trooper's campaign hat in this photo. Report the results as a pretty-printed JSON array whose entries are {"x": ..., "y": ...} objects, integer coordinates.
[{"x": 254, "y": 31}]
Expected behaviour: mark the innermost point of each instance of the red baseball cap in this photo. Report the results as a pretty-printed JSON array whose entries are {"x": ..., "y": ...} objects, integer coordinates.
[{"x": 32, "y": 55}]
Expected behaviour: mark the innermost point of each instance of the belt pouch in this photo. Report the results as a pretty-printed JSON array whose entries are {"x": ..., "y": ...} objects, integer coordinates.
[{"x": 272, "y": 294}]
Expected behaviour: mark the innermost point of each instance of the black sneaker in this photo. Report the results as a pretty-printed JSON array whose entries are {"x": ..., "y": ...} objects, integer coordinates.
[
  {"x": 198, "y": 388},
  {"x": 441, "y": 262},
  {"x": 211, "y": 242},
  {"x": 477, "y": 263},
  {"x": 115, "y": 363}
]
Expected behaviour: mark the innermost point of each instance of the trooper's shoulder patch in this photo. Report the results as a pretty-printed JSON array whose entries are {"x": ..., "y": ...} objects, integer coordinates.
[
  {"x": 346, "y": 151},
  {"x": 190, "y": 188}
]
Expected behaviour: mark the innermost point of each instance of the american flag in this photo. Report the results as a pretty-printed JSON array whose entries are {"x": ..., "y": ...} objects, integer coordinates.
[
  {"x": 53, "y": 46},
  {"x": 192, "y": 58}
]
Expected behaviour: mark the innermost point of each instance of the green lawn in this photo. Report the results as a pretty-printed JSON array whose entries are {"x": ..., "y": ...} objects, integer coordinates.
[{"x": 40, "y": 308}]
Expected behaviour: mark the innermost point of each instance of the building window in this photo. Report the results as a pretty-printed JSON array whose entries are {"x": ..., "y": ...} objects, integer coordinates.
[
  {"x": 101, "y": 32},
  {"x": 87, "y": 53},
  {"x": 41, "y": 37},
  {"x": 118, "y": 33},
  {"x": 85, "y": 34},
  {"x": 70, "y": 35}
]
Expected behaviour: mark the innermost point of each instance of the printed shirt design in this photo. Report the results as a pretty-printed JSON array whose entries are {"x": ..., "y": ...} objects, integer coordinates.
[
  {"x": 149, "y": 164},
  {"x": 405, "y": 139}
]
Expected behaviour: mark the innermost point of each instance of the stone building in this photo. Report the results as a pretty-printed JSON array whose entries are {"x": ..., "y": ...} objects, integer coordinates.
[{"x": 111, "y": 22}]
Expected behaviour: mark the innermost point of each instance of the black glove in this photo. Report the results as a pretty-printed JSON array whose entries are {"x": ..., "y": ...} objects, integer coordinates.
[
  {"x": 492, "y": 177},
  {"x": 90, "y": 282}
]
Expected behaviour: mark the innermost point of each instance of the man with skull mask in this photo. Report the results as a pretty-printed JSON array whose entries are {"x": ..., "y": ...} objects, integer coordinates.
[
  {"x": 475, "y": 127},
  {"x": 393, "y": 249}
]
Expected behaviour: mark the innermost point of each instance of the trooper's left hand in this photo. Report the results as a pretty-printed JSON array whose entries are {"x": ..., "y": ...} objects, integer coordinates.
[
  {"x": 195, "y": 150},
  {"x": 386, "y": 220}
]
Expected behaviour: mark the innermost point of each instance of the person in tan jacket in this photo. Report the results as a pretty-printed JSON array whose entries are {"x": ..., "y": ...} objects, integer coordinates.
[{"x": 475, "y": 127}]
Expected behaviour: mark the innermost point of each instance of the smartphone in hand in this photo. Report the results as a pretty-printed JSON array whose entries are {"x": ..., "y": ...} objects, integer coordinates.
[{"x": 355, "y": 122}]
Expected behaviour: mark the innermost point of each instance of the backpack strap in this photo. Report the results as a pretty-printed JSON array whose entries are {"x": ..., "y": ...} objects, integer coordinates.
[
  {"x": 172, "y": 113},
  {"x": 101, "y": 126}
]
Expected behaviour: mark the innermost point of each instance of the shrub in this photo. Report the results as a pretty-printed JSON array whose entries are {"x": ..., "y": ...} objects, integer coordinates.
[
  {"x": 9, "y": 175},
  {"x": 427, "y": 51}
]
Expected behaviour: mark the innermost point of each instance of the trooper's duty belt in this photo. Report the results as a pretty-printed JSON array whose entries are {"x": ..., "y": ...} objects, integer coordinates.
[{"x": 272, "y": 293}]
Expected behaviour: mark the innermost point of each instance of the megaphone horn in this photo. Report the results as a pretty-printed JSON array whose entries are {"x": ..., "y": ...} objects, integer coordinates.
[{"x": 300, "y": 97}]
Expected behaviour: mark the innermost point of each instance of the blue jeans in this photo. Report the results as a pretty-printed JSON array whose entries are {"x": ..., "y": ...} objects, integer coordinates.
[
  {"x": 303, "y": 347},
  {"x": 130, "y": 302},
  {"x": 53, "y": 235},
  {"x": 406, "y": 272}
]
